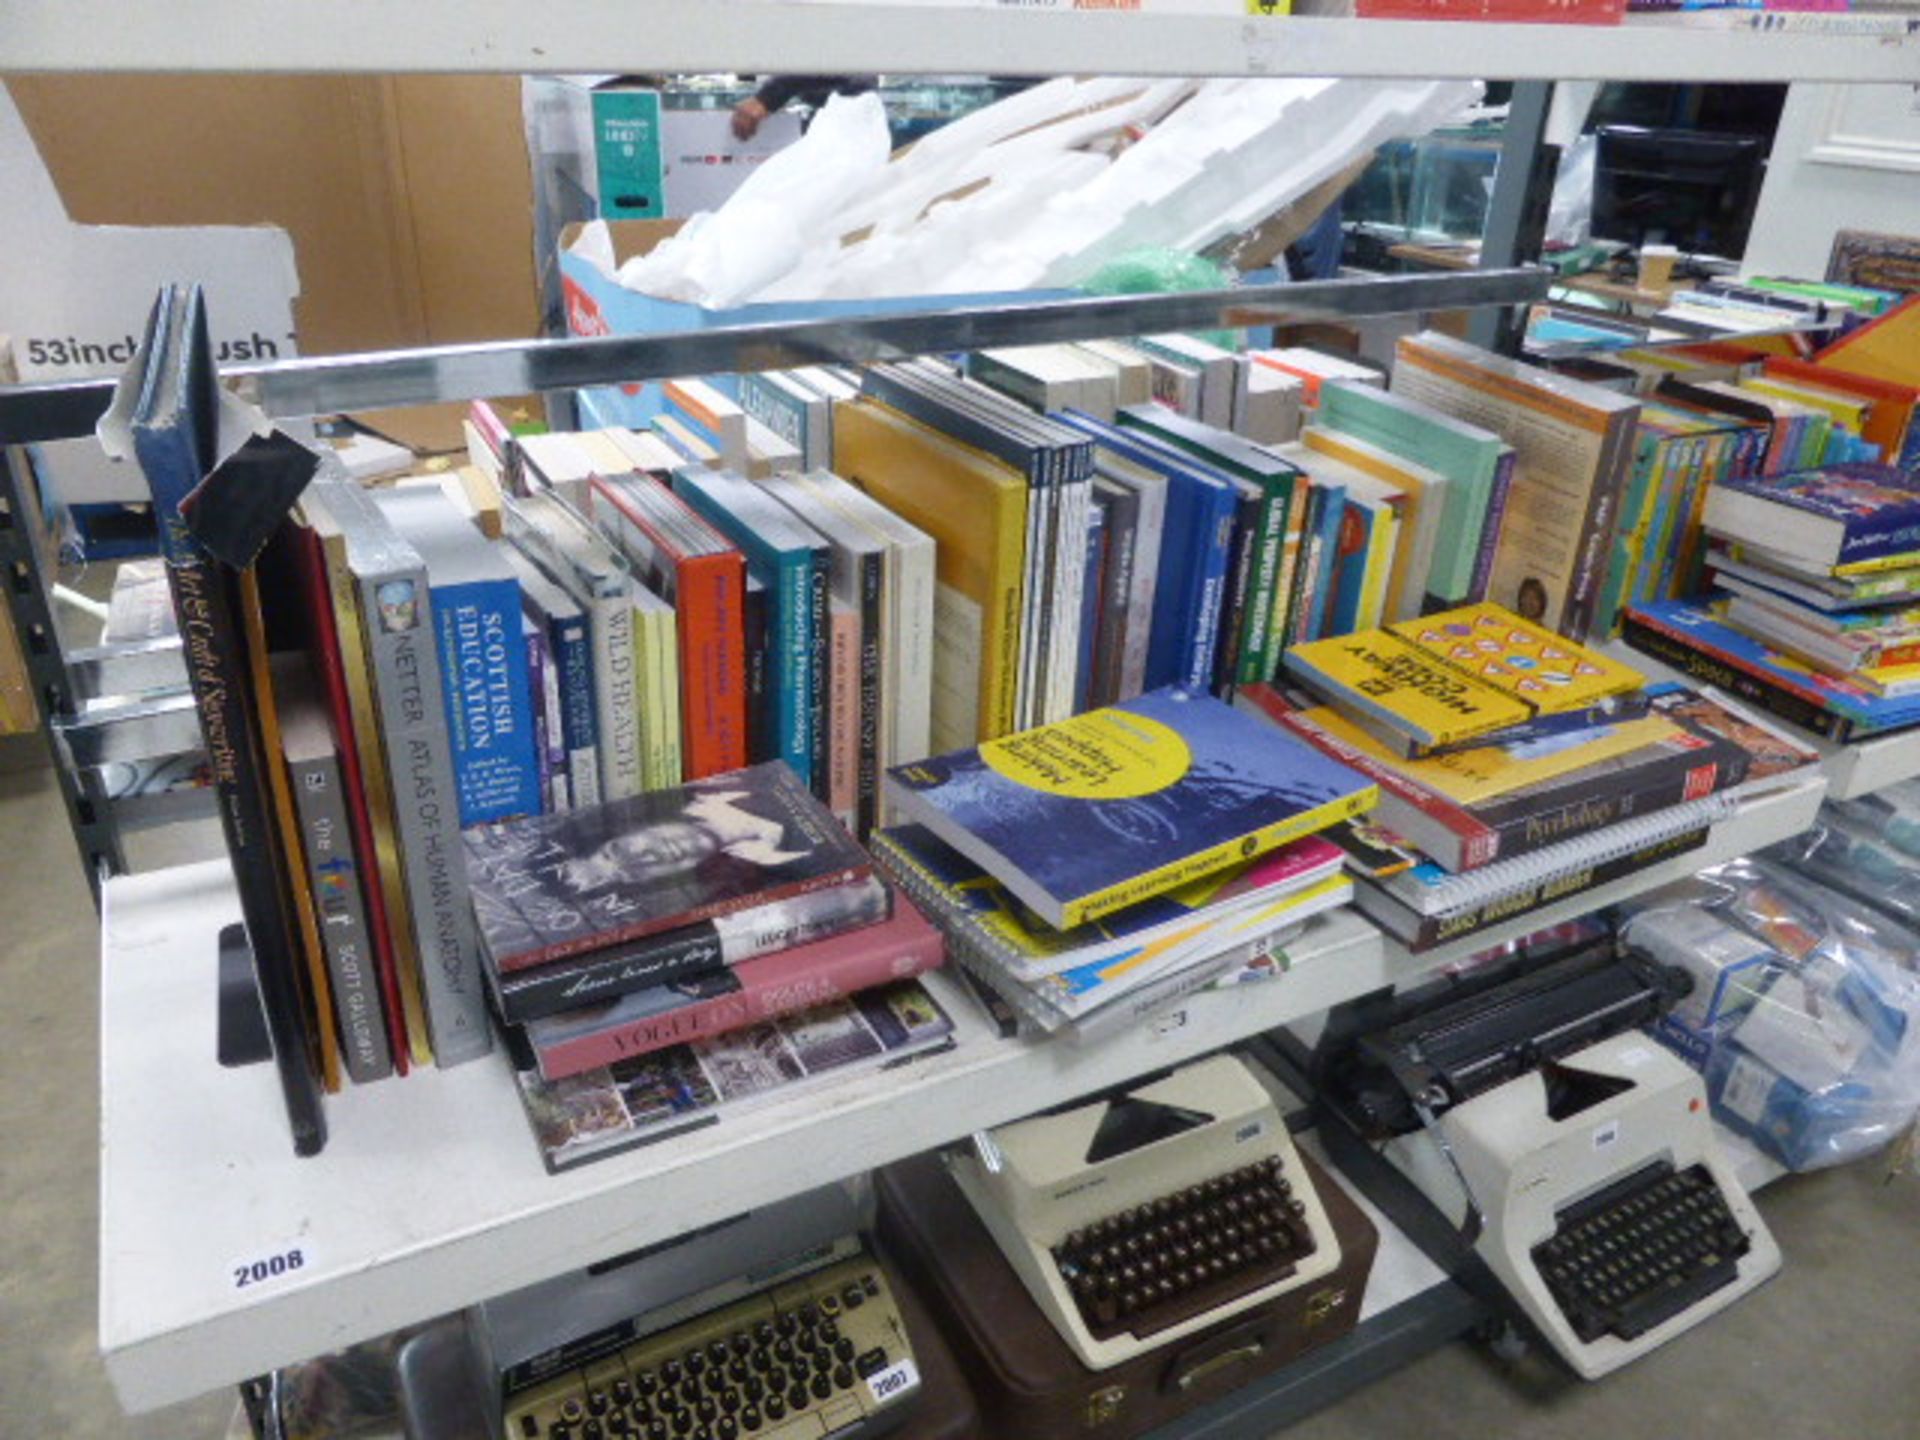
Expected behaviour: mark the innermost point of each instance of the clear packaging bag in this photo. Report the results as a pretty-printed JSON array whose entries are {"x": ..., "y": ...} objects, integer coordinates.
[{"x": 1805, "y": 1008}]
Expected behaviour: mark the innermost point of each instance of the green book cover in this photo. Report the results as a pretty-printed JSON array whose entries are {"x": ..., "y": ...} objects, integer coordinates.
[{"x": 1466, "y": 454}]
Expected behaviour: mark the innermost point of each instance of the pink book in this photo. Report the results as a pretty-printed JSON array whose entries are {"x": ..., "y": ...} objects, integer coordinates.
[
  {"x": 750, "y": 992},
  {"x": 843, "y": 715}
]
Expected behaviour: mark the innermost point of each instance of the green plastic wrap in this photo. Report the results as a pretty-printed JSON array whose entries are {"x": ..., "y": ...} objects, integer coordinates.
[{"x": 1152, "y": 270}]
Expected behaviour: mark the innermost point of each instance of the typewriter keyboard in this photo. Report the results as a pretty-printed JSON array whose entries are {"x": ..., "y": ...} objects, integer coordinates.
[
  {"x": 1151, "y": 1267},
  {"x": 1641, "y": 1251},
  {"x": 813, "y": 1357}
]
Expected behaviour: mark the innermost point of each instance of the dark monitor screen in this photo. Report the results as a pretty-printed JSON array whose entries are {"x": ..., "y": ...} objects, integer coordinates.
[{"x": 1691, "y": 189}]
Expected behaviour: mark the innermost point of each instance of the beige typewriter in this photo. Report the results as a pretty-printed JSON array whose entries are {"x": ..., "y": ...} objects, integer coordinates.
[{"x": 1140, "y": 1218}]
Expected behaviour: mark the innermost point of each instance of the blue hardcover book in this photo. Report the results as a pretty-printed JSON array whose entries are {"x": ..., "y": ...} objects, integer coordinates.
[
  {"x": 484, "y": 679},
  {"x": 1090, "y": 601},
  {"x": 571, "y": 649},
  {"x": 1195, "y": 546},
  {"x": 792, "y": 560},
  {"x": 1352, "y": 542},
  {"x": 1839, "y": 517},
  {"x": 1109, "y": 808}
]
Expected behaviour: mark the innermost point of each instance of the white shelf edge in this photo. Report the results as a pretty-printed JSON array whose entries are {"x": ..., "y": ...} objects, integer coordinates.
[
  {"x": 430, "y": 1195},
  {"x": 1760, "y": 822},
  {"x": 1192, "y": 37}
]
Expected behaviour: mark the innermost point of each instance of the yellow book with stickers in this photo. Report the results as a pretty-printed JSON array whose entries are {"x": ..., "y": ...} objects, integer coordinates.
[{"x": 1474, "y": 676}]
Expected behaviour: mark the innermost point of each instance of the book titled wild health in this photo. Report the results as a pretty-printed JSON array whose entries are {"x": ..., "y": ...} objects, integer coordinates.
[
  {"x": 549, "y": 886},
  {"x": 1105, "y": 809}
]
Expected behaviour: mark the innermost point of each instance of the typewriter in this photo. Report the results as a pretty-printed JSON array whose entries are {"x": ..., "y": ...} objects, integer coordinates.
[
  {"x": 1575, "y": 1154},
  {"x": 1143, "y": 1217},
  {"x": 776, "y": 1325}
]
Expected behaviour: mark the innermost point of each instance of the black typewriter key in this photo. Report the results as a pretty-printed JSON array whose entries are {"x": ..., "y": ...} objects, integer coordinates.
[
  {"x": 822, "y": 1387},
  {"x": 823, "y": 1359},
  {"x": 696, "y": 1361},
  {"x": 797, "y": 1396},
  {"x": 598, "y": 1403},
  {"x": 646, "y": 1383},
  {"x": 783, "y": 1351},
  {"x": 670, "y": 1372},
  {"x": 730, "y": 1400},
  {"x": 716, "y": 1379},
  {"x": 776, "y": 1408},
  {"x": 843, "y": 1349},
  {"x": 763, "y": 1333},
  {"x": 737, "y": 1370},
  {"x": 530, "y": 1427},
  {"x": 572, "y": 1411},
  {"x": 622, "y": 1391},
  {"x": 591, "y": 1429},
  {"x": 656, "y": 1429},
  {"x": 872, "y": 1362},
  {"x": 829, "y": 1305},
  {"x": 707, "y": 1409},
  {"x": 854, "y": 1297},
  {"x": 718, "y": 1351},
  {"x": 843, "y": 1377},
  {"x": 827, "y": 1331},
  {"x": 618, "y": 1424},
  {"x": 761, "y": 1359},
  {"x": 753, "y": 1387},
  {"x": 788, "y": 1322},
  {"x": 559, "y": 1430},
  {"x": 726, "y": 1428},
  {"x": 750, "y": 1420},
  {"x": 871, "y": 1284}
]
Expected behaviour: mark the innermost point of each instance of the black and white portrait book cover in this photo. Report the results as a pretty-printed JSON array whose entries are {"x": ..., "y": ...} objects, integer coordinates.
[{"x": 549, "y": 886}]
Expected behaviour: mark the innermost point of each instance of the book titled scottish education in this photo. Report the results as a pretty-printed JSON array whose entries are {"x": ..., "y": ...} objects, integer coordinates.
[
  {"x": 549, "y": 886},
  {"x": 1107, "y": 808}
]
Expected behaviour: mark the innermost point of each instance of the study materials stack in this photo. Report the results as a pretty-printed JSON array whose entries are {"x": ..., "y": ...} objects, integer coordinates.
[
  {"x": 1515, "y": 767},
  {"x": 661, "y": 960},
  {"x": 1815, "y": 613},
  {"x": 1090, "y": 872}
]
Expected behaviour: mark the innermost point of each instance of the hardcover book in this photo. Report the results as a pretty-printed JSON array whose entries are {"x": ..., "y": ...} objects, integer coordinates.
[
  {"x": 1108, "y": 808},
  {"x": 693, "y": 950},
  {"x": 550, "y": 886},
  {"x": 652, "y": 1097},
  {"x": 1843, "y": 517},
  {"x": 795, "y": 978},
  {"x": 473, "y": 605}
]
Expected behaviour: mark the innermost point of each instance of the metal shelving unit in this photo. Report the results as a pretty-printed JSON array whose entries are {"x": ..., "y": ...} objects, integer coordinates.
[{"x": 431, "y": 1195}]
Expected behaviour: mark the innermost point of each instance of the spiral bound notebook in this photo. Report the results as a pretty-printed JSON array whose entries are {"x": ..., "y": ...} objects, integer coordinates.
[{"x": 1432, "y": 891}]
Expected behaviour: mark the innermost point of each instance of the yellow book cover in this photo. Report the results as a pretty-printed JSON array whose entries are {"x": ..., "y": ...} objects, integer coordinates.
[
  {"x": 1546, "y": 673},
  {"x": 975, "y": 508},
  {"x": 1425, "y": 491},
  {"x": 1851, "y": 413},
  {"x": 1884, "y": 349},
  {"x": 286, "y": 829},
  {"x": 1402, "y": 689},
  {"x": 373, "y": 770},
  {"x": 1470, "y": 777}
]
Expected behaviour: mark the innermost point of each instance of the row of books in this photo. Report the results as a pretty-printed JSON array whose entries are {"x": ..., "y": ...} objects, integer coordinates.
[{"x": 1516, "y": 768}]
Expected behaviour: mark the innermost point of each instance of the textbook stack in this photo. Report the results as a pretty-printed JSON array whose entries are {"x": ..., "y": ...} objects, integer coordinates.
[
  {"x": 1516, "y": 768},
  {"x": 662, "y": 960},
  {"x": 1088, "y": 873},
  {"x": 1815, "y": 611}
]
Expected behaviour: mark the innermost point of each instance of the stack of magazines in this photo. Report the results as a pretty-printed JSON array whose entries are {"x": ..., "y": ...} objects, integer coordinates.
[
  {"x": 1090, "y": 872},
  {"x": 664, "y": 960}
]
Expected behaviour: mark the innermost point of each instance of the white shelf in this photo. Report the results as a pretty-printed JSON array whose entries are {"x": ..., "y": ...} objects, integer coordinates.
[
  {"x": 1869, "y": 765},
  {"x": 1759, "y": 823},
  {"x": 430, "y": 1194},
  {"x": 1165, "y": 37}
]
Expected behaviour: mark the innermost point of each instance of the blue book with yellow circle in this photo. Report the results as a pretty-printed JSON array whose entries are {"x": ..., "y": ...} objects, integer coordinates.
[{"x": 1108, "y": 808}]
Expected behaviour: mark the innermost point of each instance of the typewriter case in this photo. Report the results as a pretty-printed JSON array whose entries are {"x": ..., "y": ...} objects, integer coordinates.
[{"x": 1029, "y": 1385}]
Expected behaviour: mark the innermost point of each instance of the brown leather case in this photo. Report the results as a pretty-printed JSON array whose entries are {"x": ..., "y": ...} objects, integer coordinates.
[{"x": 1026, "y": 1380}]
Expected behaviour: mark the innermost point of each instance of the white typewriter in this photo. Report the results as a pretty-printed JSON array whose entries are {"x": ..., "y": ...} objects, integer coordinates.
[
  {"x": 1604, "y": 1206},
  {"x": 1138, "y": 1219}
]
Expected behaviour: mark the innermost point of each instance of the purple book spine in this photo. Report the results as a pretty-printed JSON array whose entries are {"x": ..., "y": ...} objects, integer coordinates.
[{"x": 1490, "y": 530}]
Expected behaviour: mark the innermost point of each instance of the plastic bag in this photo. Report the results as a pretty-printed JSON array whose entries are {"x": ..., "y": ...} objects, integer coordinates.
[
  {"x": 1570, "y": 210},
  {"x": 1805, "y": 1012}
]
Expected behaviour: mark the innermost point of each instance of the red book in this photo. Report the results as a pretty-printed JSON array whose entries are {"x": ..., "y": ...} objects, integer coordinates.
[
  {"x": 749, "y": 993},
  {"x": 316, "y": 594},
  {"x": 693, "y": 567}
]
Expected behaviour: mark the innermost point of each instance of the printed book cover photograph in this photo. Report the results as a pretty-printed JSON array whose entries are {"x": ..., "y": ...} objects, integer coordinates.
[
  {"x": 651, "y": 1097},
  {"x": 1102, "y": 810},
  {"x": 549, "y": 886},
  {"x": 1841, "y": 516}
]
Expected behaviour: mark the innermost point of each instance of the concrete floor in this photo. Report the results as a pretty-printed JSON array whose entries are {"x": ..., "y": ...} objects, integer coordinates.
[{"x": 1831, "y": 1348}]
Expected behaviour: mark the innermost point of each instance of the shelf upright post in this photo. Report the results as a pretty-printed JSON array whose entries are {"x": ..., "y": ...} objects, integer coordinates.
[
  {"x": 1517, "y": 209},
  {"x": 29, "y": 602}
]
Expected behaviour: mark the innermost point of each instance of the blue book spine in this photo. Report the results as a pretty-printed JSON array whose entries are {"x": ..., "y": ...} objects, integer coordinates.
[
  {"x": 1333, "y": 507},
  {"x": 1090, "y": 603},
  {"x": 1496, "y": 513},
  {"x": 1350, "y": 572},
  {"x": 573, "y": 660},
  {"x": 489, "y": 700}
]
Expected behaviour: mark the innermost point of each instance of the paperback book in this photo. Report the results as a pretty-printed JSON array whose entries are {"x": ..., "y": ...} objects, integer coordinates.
[
  {"x": 1108, "y": 808},
  {"x": 551, "y": 886}
]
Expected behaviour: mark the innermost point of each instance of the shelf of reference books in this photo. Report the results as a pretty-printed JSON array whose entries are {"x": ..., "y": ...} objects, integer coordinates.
[
  {"x": 997, "y": 37},
  {"x": 1760, "y": 821},
  {"x": 431, "y": 1193}
]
